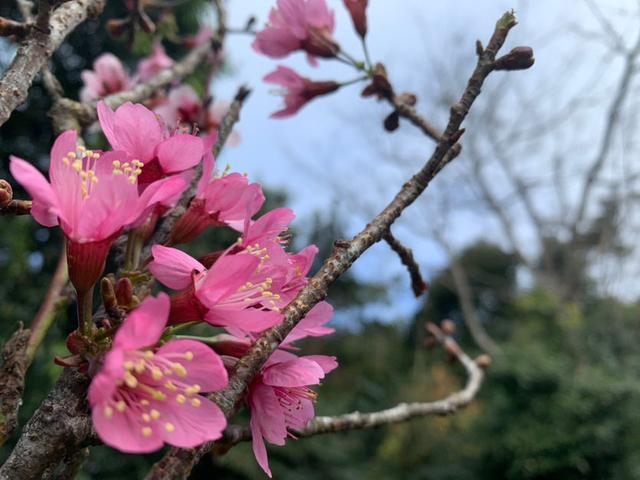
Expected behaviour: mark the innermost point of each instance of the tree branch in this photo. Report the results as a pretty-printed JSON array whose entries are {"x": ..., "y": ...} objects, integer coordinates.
[
  {"x": 418, "y": 285},
  {"x": 177, "y": 463},
  {"x": 36, "y": 50},
  {"x": 12, "y": 372}
]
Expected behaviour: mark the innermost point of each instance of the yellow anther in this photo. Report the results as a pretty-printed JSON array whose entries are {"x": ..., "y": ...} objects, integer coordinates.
[
  {"x": 267, "y": 294},
  {"x": 276, "y": 296},
  {"x": 157, "y": 395},
  {"x": 130, "y": 380},
  {"x": 88, "y": 153},
  {"x": 96, "y": 155},
  {"x": 139, "y": 366},
  {"x": 129, "y": 365},
  {"x": 196, "y": 402},
  {"x": 116, "y": 164},
  {"x": 77, "y": 165},
  {"x": 169, "y": 427},
  {"x": 188, "y": 356},
  {"x": 156, "y": 373},
  {"x": 144, "y": 402},
  {"x": 71, "y": 154},
  {"x": 121, "y": 406},
  {"x": 170, "y": 386},
  {"x": 66, "y": 161},
  {"x": 146, "y": 417},
  {"x": 117, "y": 172},
  {"x": 108, "y": 412},
  {"x": 94, "y": 179},
  {"x": 192, "y": 390},
  {"x": 181, "y": 399},
  {"x": 146, "y": 431},
  {"x": 81, "y": 148},
  {"x": 132, "y": 179},
  {"x": 155, "y": 414},
  {"x": 179, "y": 369},
  {"x": 148, "y": 354}
]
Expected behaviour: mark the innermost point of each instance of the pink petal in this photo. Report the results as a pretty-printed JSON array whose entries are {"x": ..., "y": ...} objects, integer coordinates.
[
  {"x": 327, "y": 363},
  {"x": 226, "y": 276},
  {"x": 247, "y": 320},
  {"x": 294, "y": 373},
  {"x": 172, "y": 267},
  {"x": 180, "y": 152},
  {"x": 143, "y": 326},
  {"x": 123, "y": 431},
  {"x": 312, "y": 324},
  {"x": 45, "y": 202},
  {"x": 192, "y": 425},
  {"x": 266, "y": 409},
  {"x": 259, "y": 448},
  {"x": 205, "y": 367}
]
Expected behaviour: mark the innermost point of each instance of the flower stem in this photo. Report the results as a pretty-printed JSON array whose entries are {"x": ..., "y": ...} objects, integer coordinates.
[
  {"x": 355, "y": 80},
  {"x": 85, "y": 313},
  {"x": 367, "y": 57}
]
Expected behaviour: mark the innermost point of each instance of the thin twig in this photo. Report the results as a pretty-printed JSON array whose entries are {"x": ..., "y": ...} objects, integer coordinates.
[
  {"x": 177, "y": 463},
  {"x": 418, "y": 285},
  {"x": 16, "y": 207},
  {"x": 47, "y": 312}
]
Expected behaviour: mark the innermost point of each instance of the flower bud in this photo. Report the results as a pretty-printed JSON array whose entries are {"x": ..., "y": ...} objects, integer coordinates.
[
  {"x": 358, "y": 11},
  {"x": 6, "y": 193},
  {"x": 124, "y": 292},
  {"x": 520, "y": 58},
  {"x": 448, "y": 327},
  {"x": 380, "y": 85}
]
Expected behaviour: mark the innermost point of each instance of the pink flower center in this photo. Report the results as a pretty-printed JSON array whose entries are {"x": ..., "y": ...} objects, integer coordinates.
[
  {"x": 290, "y": 400},
  {"x": 83, "y": 162},
  {"x": 150, "y": 379}
]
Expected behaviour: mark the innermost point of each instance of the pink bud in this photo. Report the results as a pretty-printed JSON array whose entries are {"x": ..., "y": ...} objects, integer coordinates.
[{"x": 358, "y": 11}]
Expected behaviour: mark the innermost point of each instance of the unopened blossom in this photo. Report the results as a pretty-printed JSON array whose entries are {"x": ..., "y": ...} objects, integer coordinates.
[
  {"x": 154, "y": 64},
  {"x": 280, "y": 398},
  {"x": 297, "y": 90},
  {"x": 226, "y": 200},
  {"x": 144, "y": 397},
  {"x": 108, "y": 76},
  {"x": 183, "y": 106},
  {"x": 91, "y": 197},
  {"x": 235, "y": 292},
  {"x": 306, "y": 25},
  {"x": 136, "y": 130},
  {"x": 358, "y": 11}
]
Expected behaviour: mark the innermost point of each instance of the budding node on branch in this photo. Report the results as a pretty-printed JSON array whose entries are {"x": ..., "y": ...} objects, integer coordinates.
[
  {"x": 520, "y": 58},
  {"x": 6, "y": 193}
]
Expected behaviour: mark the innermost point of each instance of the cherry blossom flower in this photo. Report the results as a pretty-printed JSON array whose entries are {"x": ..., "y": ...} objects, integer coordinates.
[
  {"x": 108, "y": 76},
  {"x": 144, "y": 397},
  {"x": 280, "y": 398},
  {"x": 92, "y": 198},
  {"x": 184, "y": 106},
  {"x": 154, "y": 64},
  {"x": 297, "y": 90},
  {"x": 298, "y": 25},
  {"x": 235, "y": 292},
  {"x": 358, "y": 11},
  {"x": 219, "y": 201},
  {"x": 136, "y": 130}
]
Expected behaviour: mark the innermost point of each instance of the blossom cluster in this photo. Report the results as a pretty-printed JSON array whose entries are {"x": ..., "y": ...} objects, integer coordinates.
[
  {"x": 149, "y": 384},
  {"x": 148, "y": 389},
  {"x": 307, "y": 26}
]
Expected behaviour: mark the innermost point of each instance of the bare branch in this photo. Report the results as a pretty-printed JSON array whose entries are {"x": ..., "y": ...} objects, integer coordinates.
[
  {"x": 37, "y": 48},
  {"x": 418, "y": 285},
  {"x": 178, "y": 463},
  {"x": 613, "y": 115},
  {"x": 16, "y": 207},
  {"x": 12, "y": 372}
]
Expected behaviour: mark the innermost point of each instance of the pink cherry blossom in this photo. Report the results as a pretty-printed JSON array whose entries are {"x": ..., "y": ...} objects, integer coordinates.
[
  {"x": 136, "y": 130},
  {"x": 298, "y": 25},
  {"x": 297, "y": 90},
  {"x": 108, "y": 76},
  {"x": 280, "y": 398},
  {"x": 233, "y": 293},
  {"x": 219, "y": 201},
  {"x": 184, "y": 106},
  {"x": 154, "y": 64},
  {"x": 91, "y": 198},
  {"x": 144, "y": 397},
  {"x": 358, "y": 11}
]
